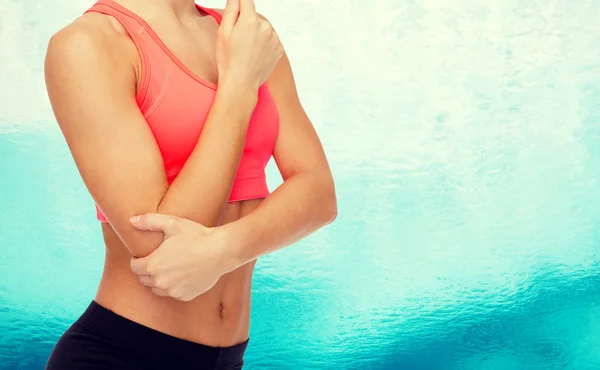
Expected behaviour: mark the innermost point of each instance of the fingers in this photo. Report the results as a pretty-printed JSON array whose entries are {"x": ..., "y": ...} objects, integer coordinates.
[
  {"x": 140, "y": 266},
  {"x": 154, "y": 222},
  {"x": 157, "y": 284},
  {"x": 150, "y": 282},
  {"x": 147, "y": 280},
  {"x": 160, "y": 292},
  {"x": 169, "y": 225},
  {"x": 247, "y": 7},
  {"x": 160, "y": 288},
  {"x": 230, "y": 16}
]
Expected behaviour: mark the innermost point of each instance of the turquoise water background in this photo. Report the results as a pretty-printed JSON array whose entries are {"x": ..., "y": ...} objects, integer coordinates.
[{"x": 464, "y": 138}]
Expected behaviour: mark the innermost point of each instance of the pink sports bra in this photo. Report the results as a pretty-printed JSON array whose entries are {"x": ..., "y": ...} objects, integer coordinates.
[{"x": 176, "y": 102}]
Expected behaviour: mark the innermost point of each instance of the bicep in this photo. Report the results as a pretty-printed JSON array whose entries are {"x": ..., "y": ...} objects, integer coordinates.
[
  {"x": 92, "y": 95},
  {"x": 298, "y": 148}
]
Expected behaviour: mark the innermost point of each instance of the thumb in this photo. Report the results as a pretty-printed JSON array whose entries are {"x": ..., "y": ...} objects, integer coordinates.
[
  {"x": 155, "y": 222},
  {"x": 230, "y": 16}
]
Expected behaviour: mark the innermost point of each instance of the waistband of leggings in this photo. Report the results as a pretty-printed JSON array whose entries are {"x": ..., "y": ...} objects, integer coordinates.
[{"x": 152, "y": 343}]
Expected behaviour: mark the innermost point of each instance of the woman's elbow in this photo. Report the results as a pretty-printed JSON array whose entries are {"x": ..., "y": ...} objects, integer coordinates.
[
  {"x": 142, "y": 243},
  {"x": 332, "y": 212},
  {"x": 329, "y": 204}
]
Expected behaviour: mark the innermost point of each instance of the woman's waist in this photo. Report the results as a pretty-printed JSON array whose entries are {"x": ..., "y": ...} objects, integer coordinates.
[
  {"x": 219, "y": 317},
  {"x": 103, "y": 330}
]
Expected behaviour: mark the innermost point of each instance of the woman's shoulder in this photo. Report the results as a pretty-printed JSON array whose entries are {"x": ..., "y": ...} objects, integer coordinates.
[{"x": 91, "y": 32}]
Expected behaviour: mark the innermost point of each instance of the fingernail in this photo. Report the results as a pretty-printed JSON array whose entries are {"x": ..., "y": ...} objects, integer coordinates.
[{"x": 134, "y": 219}]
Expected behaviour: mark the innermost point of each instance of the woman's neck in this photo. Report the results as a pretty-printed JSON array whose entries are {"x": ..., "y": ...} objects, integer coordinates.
[{"x": 180, "y": 8}]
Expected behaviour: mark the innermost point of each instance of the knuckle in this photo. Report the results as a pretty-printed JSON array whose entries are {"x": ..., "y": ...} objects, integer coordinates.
[
  {"x": 173, "y": 224},
  {"x": 184, "y": 222},
  {"x": 265, "y": 26},
  {"x": 161, "y": 284},
  {"x": 251, "y": 20},
  {"x": 143, "y": 219},
  {"x": 174, "y": 293}
]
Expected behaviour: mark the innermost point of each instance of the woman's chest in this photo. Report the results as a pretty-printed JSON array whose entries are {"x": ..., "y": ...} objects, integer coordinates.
[{"x": 177, "y": 117}]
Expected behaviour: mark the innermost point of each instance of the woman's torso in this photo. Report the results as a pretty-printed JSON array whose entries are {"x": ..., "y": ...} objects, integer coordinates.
[{"x": 220, "y": 317}]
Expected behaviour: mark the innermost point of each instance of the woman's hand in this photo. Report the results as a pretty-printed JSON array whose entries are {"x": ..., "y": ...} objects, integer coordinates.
[
  {"x": 190, "y": 260},
  {"x": 247, "y": 47}
]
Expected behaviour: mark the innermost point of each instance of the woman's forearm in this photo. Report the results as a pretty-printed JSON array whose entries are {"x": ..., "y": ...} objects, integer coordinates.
[
  {"x": 118, "y": 156},
  {"x": 202, "y": 187},
  {"x": 300, "y": 206},
  {"x": 192, "y": 258},
  {"x": 204, "y": 184}
]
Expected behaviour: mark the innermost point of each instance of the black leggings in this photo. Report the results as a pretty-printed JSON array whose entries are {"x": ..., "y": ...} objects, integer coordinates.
[{"x": 101, "y": 339}]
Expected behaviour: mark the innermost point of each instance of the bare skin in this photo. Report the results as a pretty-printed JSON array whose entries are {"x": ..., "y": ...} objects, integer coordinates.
[{"x": 219, "y": 316}]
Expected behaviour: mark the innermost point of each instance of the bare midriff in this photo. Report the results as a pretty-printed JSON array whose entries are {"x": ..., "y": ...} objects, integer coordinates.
[{"x": 219, "y": 318}]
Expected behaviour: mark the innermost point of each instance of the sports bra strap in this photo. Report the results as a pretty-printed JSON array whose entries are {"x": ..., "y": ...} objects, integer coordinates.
[
  {"x": 213, "y": 13},
  {"x": 135, "y": 30},
  {"x": 131, "y": 24}
]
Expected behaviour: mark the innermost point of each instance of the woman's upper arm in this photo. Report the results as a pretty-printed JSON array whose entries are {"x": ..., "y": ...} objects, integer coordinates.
[
  {"x": 298, "y": 148},
  {"x": 92, "y": 90}
]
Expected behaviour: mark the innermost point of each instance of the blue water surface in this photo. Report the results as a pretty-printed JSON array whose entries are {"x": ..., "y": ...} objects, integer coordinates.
[{"x": 464, "y": 138}]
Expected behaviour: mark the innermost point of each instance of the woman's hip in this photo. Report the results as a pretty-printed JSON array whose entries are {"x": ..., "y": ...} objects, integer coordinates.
[{"x": 102, "y": 339}]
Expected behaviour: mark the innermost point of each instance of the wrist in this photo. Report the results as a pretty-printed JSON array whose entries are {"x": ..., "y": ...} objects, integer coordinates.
[
  {"x": 231, "y": 247},
  {"x": 238, "y": 85},
  {"x": 236, "y": 101}
]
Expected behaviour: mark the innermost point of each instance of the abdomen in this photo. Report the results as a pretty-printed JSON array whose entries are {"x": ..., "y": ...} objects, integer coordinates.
[{"x": 219, "y": 317}]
